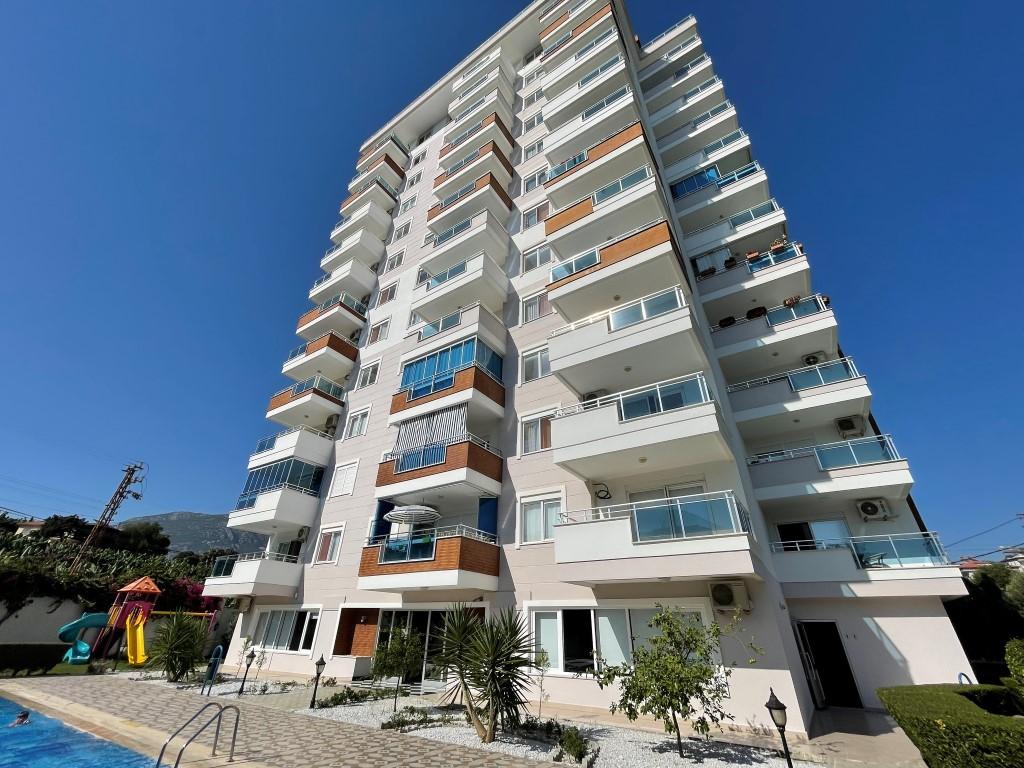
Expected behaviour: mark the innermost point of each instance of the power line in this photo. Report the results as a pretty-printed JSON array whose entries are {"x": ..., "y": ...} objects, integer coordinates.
[
  {"x": 993, "y": 551},
  {"x": 49, "y": 489},
  {"x": 1015, "y": 518},
  {"x": 132, "y": 476}
]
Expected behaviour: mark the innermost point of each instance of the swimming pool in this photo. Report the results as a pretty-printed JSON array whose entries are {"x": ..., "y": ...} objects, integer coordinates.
[{"x": 48, "y": 743}]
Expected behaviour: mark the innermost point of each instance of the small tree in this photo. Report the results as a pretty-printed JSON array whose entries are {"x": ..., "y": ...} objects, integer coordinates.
[
  {"x": 676, "y": 675},
  {"x": 460, "y": 626},
  {"x": 178, "y": 646},
  {"x": 1015, "y": 660},
  {"x": 402, "y": 656},
  {"x": 541, "y": 661}
]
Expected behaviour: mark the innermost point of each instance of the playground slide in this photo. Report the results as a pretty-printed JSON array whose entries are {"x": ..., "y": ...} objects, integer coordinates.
[
  {"x": 135, "y": 628},
  {"x": 79, "y": 651}
]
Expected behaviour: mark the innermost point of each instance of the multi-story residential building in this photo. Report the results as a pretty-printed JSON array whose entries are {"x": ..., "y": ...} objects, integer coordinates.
[{"x": 566, "y": 356}]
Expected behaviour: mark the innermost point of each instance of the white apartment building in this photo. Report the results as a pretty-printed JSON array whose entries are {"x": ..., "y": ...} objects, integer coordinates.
[{"x": 566, "y": 356}]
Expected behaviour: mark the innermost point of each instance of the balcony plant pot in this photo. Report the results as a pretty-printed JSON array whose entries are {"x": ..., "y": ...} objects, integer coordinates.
[
  {"x": 791, "y": 302},
  {"x": 729, "y": 263},
  {"x": 826, "y": 300},
  {"x": 756, "y": 312},
  {"x": 751, "y": 255},
  {"x": 726, "y": 321},
  {"x": 707, "y": 272},
  {"x": 778, "y": 245}
]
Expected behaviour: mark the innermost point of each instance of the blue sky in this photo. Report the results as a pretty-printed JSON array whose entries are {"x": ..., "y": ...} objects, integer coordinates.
[{"x": 171, "y": 171}]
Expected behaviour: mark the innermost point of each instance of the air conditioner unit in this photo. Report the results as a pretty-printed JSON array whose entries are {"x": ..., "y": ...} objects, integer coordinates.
[
  {"x": 873, "y": 509},
  {"x": 331, "y": 425},
  {"x": 850, "y": 426},
  {"x": 303, "y": 533},
  {"x": 729, "y": 595},
  {"x": 815, "y": 358}
]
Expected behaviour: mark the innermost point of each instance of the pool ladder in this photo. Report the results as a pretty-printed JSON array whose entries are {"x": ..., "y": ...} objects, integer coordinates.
[{"x": 217, "y": 717}]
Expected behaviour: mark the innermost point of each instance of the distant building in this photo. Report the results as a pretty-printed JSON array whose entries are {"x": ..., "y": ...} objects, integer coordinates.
[
  {"x": 25, "y": 527},
  {"x": 970, "y": 566}
]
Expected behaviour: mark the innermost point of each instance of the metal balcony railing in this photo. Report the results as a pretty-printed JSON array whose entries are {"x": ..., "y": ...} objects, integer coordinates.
[
  {"x": 564, "y": 269},
  {"x": 639, "y": 402},
  {"x": 634, "y": 312},
  {"x": 433, "y": 454},
  {"x": 896, "y": 550},
  {"x": 225, "y": 565},
  {"x": 267, "y": 443},
  {"x": 875, "y": 449},
  {"x": 743, "y": 217},
  {"x": 318, "y": 383},
  {"x": 699, "y": 120},
  {"x": 831, "y": 372},
  {"x": 421, "y": 545}
]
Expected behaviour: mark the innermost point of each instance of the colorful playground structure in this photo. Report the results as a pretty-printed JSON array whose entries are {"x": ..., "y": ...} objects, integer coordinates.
[{"x": 126, "y": 620}]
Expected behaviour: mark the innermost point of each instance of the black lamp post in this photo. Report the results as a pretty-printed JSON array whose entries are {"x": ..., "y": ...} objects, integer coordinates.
[
  {"x": 320, "y": 664},
  {"x": 778, "y": 712},
  {"x": 249, "y": 659}
]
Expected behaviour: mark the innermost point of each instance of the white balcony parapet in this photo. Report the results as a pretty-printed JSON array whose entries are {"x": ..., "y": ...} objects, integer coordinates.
[
  {"x": 268, "y": 443},
  {"x": 876, "y": 449},
  {"x": 661, "y": 36},
  {"x": 662, "y": 397},
  {"x": 811, "y": 305},
  {"x": 589, "y": 258},
  {"x": 676, "y": 517},
  {"x": 831, "y": 372},
  {"x": 699, "y": 120},
  {"x": 711, "y": 82},
  {"x": 636, "y": 311},
  {"x": 225, "y": 565},
  {"x": 896, "y": 550},
  {"x": 680, "y": 73}
]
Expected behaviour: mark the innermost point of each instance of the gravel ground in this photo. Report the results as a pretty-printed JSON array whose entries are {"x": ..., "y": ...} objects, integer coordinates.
[
  {"x": 227, "y": 689},
  {"x": 620, "y": 747}
]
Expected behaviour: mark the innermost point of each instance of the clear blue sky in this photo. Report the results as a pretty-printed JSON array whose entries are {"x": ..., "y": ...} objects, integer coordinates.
[{"x": 170, "y": 173}]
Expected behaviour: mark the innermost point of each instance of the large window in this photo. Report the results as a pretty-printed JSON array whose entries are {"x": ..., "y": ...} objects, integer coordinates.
[
  {"x": 535, "y": 216},
  {"x": 328, "y": 546},
  {"x": 536, "y": 433},
  {"x": 538, "y": 517},
  {"x": 286, "y": 630},
  {"x": 535, "y": 307},
  {"x": 538, "y": 257},
  {"x": 536, "y": 364},
  {"x": 356, "y": 424},
  {"x": 437, "y": 370},
  {"x": 289, "y": 472},
  {"x": 368, "y": 374}
]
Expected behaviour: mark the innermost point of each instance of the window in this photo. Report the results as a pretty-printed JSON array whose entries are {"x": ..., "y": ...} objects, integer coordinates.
[
  {"x": 367, "y": 375},
  {"x": 356, "y": 424},
  {"x": 379, "y": 331},
  {"x": 537, "y": 118},
  {"x": 428, "y": 237},
  {"x": 418, "y": 159},
  {"x": 538, "y": 257},
  {"x": 538, "y": 518},
  {"x": 413, "y": 180},
  {"x": 286, "y": 630},
  {"x": 387, "y": 293},
  {"x": 400, "y": 231},
  {"x": 532, "y": 76},
  {"x": 535, "y": 216},
  {"x": 393, "y": 262},
  {"x": 534, "y": 307},
  {"x": 533, "y": 98},
  {"x": 532, "y": 55},
  {"x": 536, "y": 365},
  {"x": 407, "y": 205},
  {"x": 813, "y": 534},
  {"x": 536, "y": 433},
  {"x": 291, "y": 472},
  {"x": 328, "y": 546},
  {"x": 534, "y": 180},
  {"x": 697, "y": 181},
  {"x": 344, "y": 480},
  {"x": 534, "y": 149},
  {"x": 436, "y": 371}
]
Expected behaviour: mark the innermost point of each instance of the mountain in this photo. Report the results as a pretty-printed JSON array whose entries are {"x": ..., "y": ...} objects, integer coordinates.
[{"x": 198, "y": 532}]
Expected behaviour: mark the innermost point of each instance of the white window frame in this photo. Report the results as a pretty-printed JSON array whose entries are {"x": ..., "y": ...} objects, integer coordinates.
[
  {"x": 293, "y": 609},
  {"x": 537, "y": 494},
  {"x": 407, "y": 205},
  {"x": 530, "y": 297},
  {"x": 393, "y": 262},
  {"x": 401, "y": 230},
  {"x": 522, "y": 364},
  {"x": 413, "y": 180},
  {"x": 428, "y": 238},
  {"x": 334, "y": 477},
  {"x": 539, "y": 177},
  {"x": 331, "y": 530},
  {"x": 532, "y": 76},
  {"x": 531, "y": 151},
  {"x": 540, "y": 220},
  {"x": 531, "y": 122},
  {"x": 533, "y": 97},
  {"x": 365, "y": 412},
  {"x": 418, "y": 159},
  {"x": 524, "y": 420},
  {"x": 382, "y": 335},
  {"x": 524, "y": 269},
  {"x": 393, "y": 288},
  {"x": 373, "y": 364}
]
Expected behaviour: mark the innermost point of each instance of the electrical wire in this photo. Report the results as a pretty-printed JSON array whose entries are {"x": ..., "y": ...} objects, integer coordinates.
[{"x": 1015, "y": 518}]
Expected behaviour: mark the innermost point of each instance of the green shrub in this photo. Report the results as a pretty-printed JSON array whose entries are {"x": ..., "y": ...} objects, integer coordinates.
[
  {"x": 574, "y": 744},
  {"x": 178, "y": 646},
  {"x": 352, "y": 696},
  {"x": 409, "y": 717},
  {"x": 957, "y": 726},
  {"x": 1015, "y": 659},
  {"x": 30, "y": 657}
]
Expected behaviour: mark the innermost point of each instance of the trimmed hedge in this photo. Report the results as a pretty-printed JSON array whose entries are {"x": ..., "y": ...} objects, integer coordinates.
[
  {"x": 954, "y": 726},
  {"x": 29, "y": 658}
]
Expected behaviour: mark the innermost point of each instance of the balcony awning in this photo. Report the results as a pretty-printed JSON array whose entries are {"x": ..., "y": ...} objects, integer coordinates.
[{"x": 412, "y": 513}]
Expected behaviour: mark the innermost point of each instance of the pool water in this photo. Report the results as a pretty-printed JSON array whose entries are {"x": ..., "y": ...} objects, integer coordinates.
[{"x": 48, "y": 743}]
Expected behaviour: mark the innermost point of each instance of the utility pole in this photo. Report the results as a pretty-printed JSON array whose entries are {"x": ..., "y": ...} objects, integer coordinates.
[{"x": 132, "y": 476}]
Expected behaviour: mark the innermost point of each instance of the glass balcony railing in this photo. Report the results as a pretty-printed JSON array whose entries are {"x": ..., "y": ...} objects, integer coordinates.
[
  {"x": 621, "y": 184},
  {"x": 384, "y": 140},
  {"x": 807, "y": 306},
  {"x": 465, "y": 135},
  {"x": 369, "y": 183},
  {"x": 593, "y": 109},
  {"x": 848, "y": 453},
  {"x": 421, "y": 545},
  {"x": 594, "y": 43},
  {"x": 452, "y": 231},
  {"x": 771, "y": 258},
  {"x": 710, "y": 176},
  {"x": 686, "y": 20},
  {"x": 318, "y": 383},
  {"x": 811, "y": 376},
  {"x": 572, "y": 162},
  {"x": 322, "y": 279},
  {"x": 298, "y": 351},
  {"x": 589, "y": 258},
  {"x": 461, "y": 192},
  {"x": 632, "y": 313},
  {"x": 729, "y": 138},
  {"x": 347, "y": 300},
  {"x": 665, "y": 396},
  {"x": 596, "y": 73},
  {"x": 225, "y": 565},
  {"x": 740, "y": 173},
  {"x": 738, "y": 220},
  {"x": 468, "y": 110},
  {"x": 248, "y": 500},
  {"x": 471, "y": 157},
  {"x": 699, "y": 120},
  {"x": 267, "y": 443},
  {"x": 675, "y": 517},
  {"x": 896, "y": 550},
  {"x": 436, "y": 327},
  {"x": 433, "y": 281},
  {"x": 686, "y": 69}
]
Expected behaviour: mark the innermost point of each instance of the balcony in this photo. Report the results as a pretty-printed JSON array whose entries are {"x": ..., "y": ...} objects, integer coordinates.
[
  {"x": 708, "y": 126},
  {"x": 558, "y": 27},
  {"x": 487, "y": 159},
  {"x": 485, "y": 193},
  {"x": 597, "y": 165},
  {"x": 472, "y": 320},
  {"x": 370, "y": 217},
  {"x": 728, "y": 283},
  {"x": 697, "y": 69},
  {"x": 884, "y": 565},
  {"x": 603, "y": 117},
  {"x": 681, "y": 112},
  {"x": 600, "y": 47},
  {"x": 330, "y": 355},
  {"x": 390, "y": 146},
  {"x": 628, "y": 203},
  {"x": 342, "y": 314},
  {"x": 851, "y": 469},
  {"x": 482, "y": 231},
  {"x": 754, "y": 228},
  {"x": 605, "y": 78},
  {"x": 474, "y": 113},
  {"x": 452, "y": 557},
  {"x": 464, "y": 466},
  {"x": 302, "y": 442},
  {"x": 256, "y": 574},
  {"x": 638, "y": 263},
  {"x": 391, "y": 172},
  {"x": 281, "y": 507},
  {"x": 721, "y": 155},
  {"x": 660, "y": 49},
  {"x": 375, "y": 190},
  {"x": 815, "y": 396},
  {"x": 478, "y": 278},
  {"x": 472, "y": 384},
  {"x": 460, "y": 82},
  {"x": 789, "y": 332},
  {"x": 490, "y": 129},
  {"x": 651, "y": 338},
  {"x": 660, "y": 426},
  {"x": 362, "y": 246},
  {"x": 675, "y": 539},
  {"x": 499, "y": 76},
  {"x": 746, "y": 187},
  {"x": 309, "y": 402},
  {"x": 350, "y": 276}
]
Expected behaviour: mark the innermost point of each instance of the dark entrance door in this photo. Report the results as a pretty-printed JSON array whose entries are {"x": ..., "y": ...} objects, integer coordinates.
[{"x": 828, "y": 669}]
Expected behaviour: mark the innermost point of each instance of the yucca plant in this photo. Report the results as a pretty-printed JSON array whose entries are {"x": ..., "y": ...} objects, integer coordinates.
[
  {"x": 460, "y": 626},
  {"x": 178, "y": 645}
]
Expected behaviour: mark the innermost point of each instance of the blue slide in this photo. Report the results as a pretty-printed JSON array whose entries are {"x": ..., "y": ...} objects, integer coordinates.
[{"x": 78, "y": 653}]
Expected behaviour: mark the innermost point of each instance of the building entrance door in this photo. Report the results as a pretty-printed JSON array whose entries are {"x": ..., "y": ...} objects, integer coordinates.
[{"x": 826, "y": 664}]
